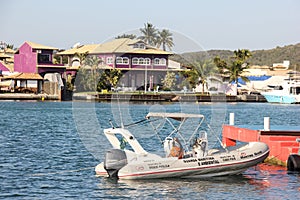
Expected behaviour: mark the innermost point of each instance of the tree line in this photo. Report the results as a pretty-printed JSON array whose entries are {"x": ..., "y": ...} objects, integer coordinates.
[
  {"x": 153, "y": 36},
  {"x": 259, "y": 57},
  {"x": 92, "y": 78},
  {"x": 220, "y": 69},
  {"x": 200, "y": 65},
  {"x": 198, "y": 72}
]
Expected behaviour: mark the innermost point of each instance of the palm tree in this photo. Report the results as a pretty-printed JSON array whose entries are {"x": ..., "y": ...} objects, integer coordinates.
[
  {"x": 113, "y": 76},
  {"x": 242, "y": 54},
  {"x": 149, "y": 34},
  {"x": 81, "y": 57},
  {"x": 165, "y": 39},
  {"x": 221, "y": 64},
  {"x": 236, "y": 68},
  {"x": 88, "y": 75},
  {"x": 200, "y": 72},
  {"x": 109, "y": 78},
  {"x": 10, "y": 46}
]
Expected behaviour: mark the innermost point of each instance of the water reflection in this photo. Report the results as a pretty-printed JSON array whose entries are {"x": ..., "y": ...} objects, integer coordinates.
[
  {"x": 43, "y": 156},
  {"x": 272, "y": 181},
  {"x": 261, "y": 181}
]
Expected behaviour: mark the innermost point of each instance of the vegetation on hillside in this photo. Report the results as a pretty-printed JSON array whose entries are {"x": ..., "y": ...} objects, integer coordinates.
[
  {"x": 259, "y": 57},
  {"x": 4, "y": 46},
  {"x": 130, "y": 36}
]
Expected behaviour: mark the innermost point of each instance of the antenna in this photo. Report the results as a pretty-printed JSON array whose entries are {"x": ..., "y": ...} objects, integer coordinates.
[
  {"x": 112, "y": 125},
  {"x": 76, "y": 45}
]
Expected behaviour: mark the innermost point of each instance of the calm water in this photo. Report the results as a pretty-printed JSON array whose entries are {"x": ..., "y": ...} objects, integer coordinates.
[{"x": 49, "y": 151}]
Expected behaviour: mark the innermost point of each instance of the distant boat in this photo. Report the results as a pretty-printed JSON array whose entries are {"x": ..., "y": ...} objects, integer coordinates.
[{"x": 288, "y": 92}]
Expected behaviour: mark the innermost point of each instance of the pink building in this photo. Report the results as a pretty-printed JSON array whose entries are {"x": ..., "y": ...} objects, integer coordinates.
[
  {"x": 138, "y": 61},
  {"x": 36, "y": 58}
]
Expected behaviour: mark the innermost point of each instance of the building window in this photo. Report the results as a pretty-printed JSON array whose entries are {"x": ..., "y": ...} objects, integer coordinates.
[
  {"x": 135, "y": 61},
  {"x": 122, "y": 60},
  {"x": 125, "y": 61},
  {"x": 139, "y": 46},
  {"x": 119, "y": 60},
  {"x": 147, "y": 61},
  {"x": 156, "y": 61},
  {"x": 160, "y": 61},
  {"x": 44, "y": 58},
  {"x": 163, "y": 61},
  {"x": 141, "y": 61},
  {"x": 109, "y": 60}
]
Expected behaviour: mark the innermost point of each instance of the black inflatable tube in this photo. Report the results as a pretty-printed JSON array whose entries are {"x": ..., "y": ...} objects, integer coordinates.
[{"x": 293, "y": 163}]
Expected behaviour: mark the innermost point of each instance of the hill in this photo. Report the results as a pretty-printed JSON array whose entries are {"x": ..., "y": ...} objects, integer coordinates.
[{"x": 259, "y": 57}]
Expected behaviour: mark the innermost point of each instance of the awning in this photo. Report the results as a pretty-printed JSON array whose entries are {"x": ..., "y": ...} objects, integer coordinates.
[
  {"x": 176, "y": 116},
  {"x": 24, "y": 76},
  {"x": 5, "y": 83}
]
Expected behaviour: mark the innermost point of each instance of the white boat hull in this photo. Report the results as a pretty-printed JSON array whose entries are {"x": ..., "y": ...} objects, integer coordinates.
[
  {"x": 277, "y": 98},
  {"x": 219, "y": 163},
  {"x": 287, "y": 93}
]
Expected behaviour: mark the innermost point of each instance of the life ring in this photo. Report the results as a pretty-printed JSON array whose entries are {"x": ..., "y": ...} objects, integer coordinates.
[{"x": 293, "y": 163}]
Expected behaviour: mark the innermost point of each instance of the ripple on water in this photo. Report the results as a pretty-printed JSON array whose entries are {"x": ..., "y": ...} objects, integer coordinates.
[{"x": 43, "y": 157}]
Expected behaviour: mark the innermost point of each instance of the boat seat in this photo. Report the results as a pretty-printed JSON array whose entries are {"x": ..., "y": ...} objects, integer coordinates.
[
  {"x": 200, "y": 145},
  {"x": 173, "y": 147}
]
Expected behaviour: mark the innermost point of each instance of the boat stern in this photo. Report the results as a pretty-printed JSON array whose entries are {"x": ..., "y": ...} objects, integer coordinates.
[{"x": 100, "y": 171}]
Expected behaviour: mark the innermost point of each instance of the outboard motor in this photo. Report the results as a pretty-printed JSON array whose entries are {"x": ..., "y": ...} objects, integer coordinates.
[{"x": 114, "y": 160}]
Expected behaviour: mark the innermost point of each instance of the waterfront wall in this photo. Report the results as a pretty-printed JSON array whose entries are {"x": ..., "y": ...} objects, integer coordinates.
[
  {"x": 179, "y": 97},
  {"x": 281, "y": 143}
]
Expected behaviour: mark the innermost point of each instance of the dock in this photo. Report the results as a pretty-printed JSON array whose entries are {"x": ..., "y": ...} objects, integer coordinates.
[
  {"x": 151, "y": 97},
  {"x": 282, "y": 143},
  {"x": 175, "y": 97},
  {"x": 24, "y": 96}
]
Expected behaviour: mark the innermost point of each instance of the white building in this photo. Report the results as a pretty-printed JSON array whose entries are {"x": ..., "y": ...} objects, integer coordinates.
[{"x": 279, "y": 66}]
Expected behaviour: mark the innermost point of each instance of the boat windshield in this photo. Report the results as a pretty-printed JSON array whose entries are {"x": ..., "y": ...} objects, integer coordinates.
[
  {"x": 278, "y": 87},
  {"x": 295, "y": 90}
]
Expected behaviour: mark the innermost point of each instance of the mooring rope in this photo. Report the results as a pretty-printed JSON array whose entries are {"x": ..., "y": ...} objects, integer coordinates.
[{"x": 135, "y": 123}]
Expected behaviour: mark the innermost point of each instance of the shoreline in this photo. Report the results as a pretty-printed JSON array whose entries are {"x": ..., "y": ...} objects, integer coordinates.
[
  {"x": 31, "y": 96},
  {"x": 150, "y": 97},
  {"x": 171, "y": 97}
]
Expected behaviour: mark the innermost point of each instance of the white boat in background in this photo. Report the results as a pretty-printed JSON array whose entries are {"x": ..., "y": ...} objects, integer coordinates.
[
  {"x": 189, "y": 158},
  {"x": 288, "y": 92}
]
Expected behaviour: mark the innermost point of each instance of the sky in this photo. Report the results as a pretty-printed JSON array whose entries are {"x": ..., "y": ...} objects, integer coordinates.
[{"x": 196, "y": 24}]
